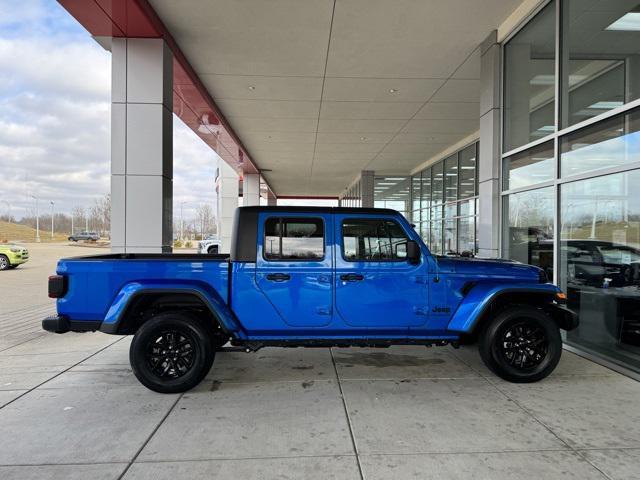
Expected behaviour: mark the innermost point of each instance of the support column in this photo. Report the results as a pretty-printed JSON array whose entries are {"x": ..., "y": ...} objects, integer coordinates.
[
  {"x": 227, "y": 189},
  {"x": 141, "y": 145},
  {"x": 489, "y": 155},
  {"x": 251, "y": 189},
  {"x": 367, "y": 188}
]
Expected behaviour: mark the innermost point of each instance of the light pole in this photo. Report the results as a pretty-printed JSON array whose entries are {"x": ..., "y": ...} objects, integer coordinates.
[
  {"x": 52, "y": 204},
  {"x": 37, "y": 219},
  {"x": 72, "y": 217},
  {"x": 8, "y": 210}
]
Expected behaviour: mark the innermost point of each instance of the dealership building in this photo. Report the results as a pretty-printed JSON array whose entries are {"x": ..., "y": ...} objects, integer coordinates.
[{"x": 502, "y": 128}]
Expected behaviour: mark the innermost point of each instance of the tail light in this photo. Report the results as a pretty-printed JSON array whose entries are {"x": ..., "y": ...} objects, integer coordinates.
[{"x": 57, "y": 286}]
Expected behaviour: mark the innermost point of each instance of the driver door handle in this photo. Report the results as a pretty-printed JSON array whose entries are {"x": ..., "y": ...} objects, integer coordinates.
[
  {"x": 278, "y": 277},
  {"x": 352, "y": 277}
]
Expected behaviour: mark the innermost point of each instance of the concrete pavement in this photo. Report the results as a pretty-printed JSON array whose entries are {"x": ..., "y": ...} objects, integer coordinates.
[{"x": 70, "y": 408}]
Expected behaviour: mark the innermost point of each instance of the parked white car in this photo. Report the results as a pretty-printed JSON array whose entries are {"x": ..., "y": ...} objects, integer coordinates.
[{"x": 210, "y": 244}]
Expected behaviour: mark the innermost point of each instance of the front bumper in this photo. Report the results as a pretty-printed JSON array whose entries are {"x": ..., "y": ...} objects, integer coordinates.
[
  {"x": 18, "y": 258},
  {"x": 565, "y": 318},
  {"x": 61, "y": 324}
]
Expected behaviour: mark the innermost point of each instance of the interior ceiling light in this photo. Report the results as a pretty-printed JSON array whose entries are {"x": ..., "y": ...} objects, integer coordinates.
[
  {"x": 605, "y": 105},
  {"x": 543, "y": 80},
  {"x": 363, "y": 138},
  {"x": 393, "y": 90},
  {"x": 629, "y": 22},
  {"x": 251, "y": 87}
]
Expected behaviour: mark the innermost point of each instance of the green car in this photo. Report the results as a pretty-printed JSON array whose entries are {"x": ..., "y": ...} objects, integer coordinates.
[{"x": 12, "y": 255}]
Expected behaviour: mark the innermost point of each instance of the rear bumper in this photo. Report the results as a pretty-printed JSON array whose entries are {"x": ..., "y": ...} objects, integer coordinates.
[{"x": 61, "y": 324}]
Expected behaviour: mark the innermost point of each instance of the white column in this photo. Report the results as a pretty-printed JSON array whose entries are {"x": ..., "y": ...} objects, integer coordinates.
[
  {"x": 227, "y": 204},
  {"x": 141, "y": 145},
  {"x": 366, "y": 188},
  {"x": 489, "y": 156},
  {"x": 272, "y": 201},
  {"x": 251, "y": 189}
]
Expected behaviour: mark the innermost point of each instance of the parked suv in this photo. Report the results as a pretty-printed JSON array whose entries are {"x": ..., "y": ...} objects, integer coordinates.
[
  {"x": 12, "y": 255},
  {"x": 91, "y": 236}
]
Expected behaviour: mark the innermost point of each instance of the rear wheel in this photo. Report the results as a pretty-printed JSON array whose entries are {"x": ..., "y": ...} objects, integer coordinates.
[
  {"x": 4, "y": 262},
  {"x": 171, "y": 353},
  {"x": 521, "y": 344}
]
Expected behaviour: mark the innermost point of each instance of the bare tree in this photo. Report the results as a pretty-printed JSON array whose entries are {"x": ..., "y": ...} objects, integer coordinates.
[{"x": 204, "y": 218}]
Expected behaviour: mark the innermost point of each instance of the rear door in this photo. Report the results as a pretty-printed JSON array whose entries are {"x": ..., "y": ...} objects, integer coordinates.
[
  {"x": 376, "y": 287},
  {"x": 294, "y": 268}
]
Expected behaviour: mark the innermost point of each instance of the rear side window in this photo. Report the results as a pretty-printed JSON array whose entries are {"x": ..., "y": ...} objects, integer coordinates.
[
  {"x": 294, "y": 239},
  {"x": 373, "y": 240}
]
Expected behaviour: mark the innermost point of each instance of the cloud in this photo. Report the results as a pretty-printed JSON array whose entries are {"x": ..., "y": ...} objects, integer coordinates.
[{"x": 55, "y": 83}]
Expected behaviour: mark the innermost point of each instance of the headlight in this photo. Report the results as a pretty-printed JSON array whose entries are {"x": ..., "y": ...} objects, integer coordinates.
[{"x": 16, "y": 249}]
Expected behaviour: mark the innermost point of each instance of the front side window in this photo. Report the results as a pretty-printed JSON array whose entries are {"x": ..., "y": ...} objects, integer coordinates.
[
  {"x": 373, "y": 240},
  {"x": 294, "y": 239}
]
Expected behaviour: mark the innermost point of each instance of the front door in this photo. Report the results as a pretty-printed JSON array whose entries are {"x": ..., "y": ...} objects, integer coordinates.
[
  {"x": 376, "y": 286},
  {"x": 294, "y": 267}
]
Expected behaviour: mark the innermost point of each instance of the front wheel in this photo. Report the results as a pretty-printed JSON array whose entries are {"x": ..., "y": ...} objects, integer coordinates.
[
  {"x": 521, "y": 344},
  {"x": 4, "y": 262},
  {"x": 171, "y": 353}
]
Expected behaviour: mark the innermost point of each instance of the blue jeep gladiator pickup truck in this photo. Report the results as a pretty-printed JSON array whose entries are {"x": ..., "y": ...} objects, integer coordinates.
[{"x": 311, "y": 277}]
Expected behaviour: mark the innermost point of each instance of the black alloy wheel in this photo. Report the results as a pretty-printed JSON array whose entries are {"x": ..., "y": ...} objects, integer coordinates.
[
  {"x": 172, "y": 352},
  {"x": 521, "y": 344},
  {"x": 524, "y": 344}
]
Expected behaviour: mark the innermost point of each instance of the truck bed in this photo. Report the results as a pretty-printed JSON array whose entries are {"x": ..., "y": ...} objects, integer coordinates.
[{"x": 95, "y": 282}]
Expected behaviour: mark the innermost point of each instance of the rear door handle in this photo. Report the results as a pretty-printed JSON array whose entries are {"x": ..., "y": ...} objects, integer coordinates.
[
  {"x": 352, "y": 277},
  {"x": 278, "y": 277}
]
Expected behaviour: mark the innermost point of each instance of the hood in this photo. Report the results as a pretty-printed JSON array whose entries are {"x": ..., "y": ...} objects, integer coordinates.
[{"x": 485, "y": 267}]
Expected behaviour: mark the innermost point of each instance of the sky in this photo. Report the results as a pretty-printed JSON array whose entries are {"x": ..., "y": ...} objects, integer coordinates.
[{"x": 55, "y": 94}]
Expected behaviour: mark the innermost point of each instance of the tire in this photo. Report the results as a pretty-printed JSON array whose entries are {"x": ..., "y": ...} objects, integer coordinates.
[
  {"x": 532, "y": 355},
  {"x": 150, "y": 358},
  {"x": 213, "y": 250},
  {"x": 4, "y": 262}
]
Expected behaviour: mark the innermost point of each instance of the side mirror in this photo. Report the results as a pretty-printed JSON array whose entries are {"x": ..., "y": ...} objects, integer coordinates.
[{"x": 413, "y": 251}]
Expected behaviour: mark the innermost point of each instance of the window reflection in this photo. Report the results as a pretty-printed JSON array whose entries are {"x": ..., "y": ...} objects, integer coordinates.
[
  {"x": 373, "y": 240},
  {"x": 600, "y": 263},
  {"x": 294, "y": 239},
  {"x": 602, "y": 45},
  {"x": 528, "y": 230},
  {"x": 529, "y": 81},
  {"x": 529, "y": 167},
  {"x": 610, "y": 143}
]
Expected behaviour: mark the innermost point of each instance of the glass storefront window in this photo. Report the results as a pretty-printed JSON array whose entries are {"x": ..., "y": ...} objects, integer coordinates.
[
  {"x": 450, "y": 236},
  {"x": 466, "y": 230},
  {"x": 610, "y": 143},
  {"x": 526, "y": 168},
  {"x": 435, "y": 244},
  {"x": 393, "y": 192},
  {"x": 529, "y": 81},
  {"x": 467, "y": 174},
  {"x": 416, "y": 183},
  {"x": 451, "y": 178},
  {"x": 600, "y": 263},
  {"x": 601, "y": 45},
  {"x": 437, "y": 183},
  {"x": 528, "y": 228},
  {"x": 425, "y": 194}
]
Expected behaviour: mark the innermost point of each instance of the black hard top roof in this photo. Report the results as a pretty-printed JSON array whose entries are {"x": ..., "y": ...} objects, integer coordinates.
[{"x": 310, "y": 209}]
